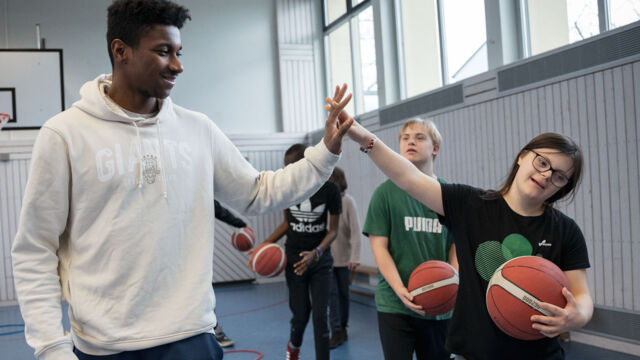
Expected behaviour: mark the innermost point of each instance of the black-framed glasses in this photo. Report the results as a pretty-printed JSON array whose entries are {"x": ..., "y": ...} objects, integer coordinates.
[{"x": 542, "y": 164}]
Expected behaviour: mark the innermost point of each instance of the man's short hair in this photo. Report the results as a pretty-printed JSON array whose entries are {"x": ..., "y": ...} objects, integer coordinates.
[
  {"x": 128, "y": 20},
  {"x": 296, "y": 151},
  {"x": 429, "y": 127}
]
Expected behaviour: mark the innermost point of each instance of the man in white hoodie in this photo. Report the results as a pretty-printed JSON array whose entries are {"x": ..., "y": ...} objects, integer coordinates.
[{"x": 117, "y": 216}]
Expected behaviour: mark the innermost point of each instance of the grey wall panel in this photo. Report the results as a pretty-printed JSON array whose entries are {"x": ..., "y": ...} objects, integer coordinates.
[
  {"x": 632, "y": 113},
  {"x": 599, "y": 110},
  {"x": 594, "y": 85}
]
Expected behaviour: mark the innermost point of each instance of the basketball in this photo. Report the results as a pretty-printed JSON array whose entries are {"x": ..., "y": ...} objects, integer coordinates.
[
  {"x": 516, "y": 290},
  {"x": 243, "y": 239},
  {"x": 434, "y": 286},
  {"x": 268, "y": 260}
]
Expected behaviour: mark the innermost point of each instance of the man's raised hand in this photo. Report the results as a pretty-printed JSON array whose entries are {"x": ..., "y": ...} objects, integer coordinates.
[{"x": 334, "y": 129}]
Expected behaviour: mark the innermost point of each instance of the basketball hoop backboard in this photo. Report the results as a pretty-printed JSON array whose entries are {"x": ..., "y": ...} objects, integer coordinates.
[{"x": 4, "y": 118}]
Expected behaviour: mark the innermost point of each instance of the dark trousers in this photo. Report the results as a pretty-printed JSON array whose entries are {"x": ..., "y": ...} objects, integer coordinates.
[
  {"x": 339, "y": 301},
  {"x": 401, "y": 335},
  {"x": 199, "y": 347},
  {"x": 309, "y": 293}
]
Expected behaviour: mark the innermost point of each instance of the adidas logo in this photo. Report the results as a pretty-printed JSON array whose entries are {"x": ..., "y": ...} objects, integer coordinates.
[
  {"x": 308, "y": 228},
  {"x": 304, "y": 212},
  {"x": 544, "y": 243}
]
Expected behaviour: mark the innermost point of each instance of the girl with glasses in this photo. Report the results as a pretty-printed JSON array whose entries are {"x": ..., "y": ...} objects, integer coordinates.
[{"x": 488, "y": 225}]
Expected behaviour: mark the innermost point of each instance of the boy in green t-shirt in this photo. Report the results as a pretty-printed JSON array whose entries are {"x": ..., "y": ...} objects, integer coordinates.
[{"x": 403, "y": 234}]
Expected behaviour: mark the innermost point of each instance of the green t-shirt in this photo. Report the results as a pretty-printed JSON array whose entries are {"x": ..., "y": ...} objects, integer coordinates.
[{"x": 415, "y": 236}]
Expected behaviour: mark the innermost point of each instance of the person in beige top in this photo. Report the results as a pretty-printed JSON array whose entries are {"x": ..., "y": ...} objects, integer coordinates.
[{"x": 346, "y": 257}]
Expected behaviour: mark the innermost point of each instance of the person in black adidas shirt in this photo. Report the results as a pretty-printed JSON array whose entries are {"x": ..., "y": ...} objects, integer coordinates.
[
  {"x": 310, "y": 227},
  {"x": 488, "y": 226}
]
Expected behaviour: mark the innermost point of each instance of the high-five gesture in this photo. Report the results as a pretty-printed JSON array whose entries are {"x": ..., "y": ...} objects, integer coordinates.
[
  {"x": 334, "y": 130},
  {"x": 340, "y": 117}
]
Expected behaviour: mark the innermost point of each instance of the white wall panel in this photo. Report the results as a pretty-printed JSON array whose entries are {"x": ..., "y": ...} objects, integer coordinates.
[
  {"x": 13, "y": 177},
  {"x": 298, "y": 81},
  {"x": 263, "y": 152}
]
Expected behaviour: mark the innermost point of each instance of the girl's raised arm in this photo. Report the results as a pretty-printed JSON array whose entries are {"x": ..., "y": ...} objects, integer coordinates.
[{"x": 401, "y": 171}]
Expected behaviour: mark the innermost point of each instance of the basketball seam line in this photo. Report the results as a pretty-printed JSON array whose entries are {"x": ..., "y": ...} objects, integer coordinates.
[
  {"x": 521, "y": 289},
  {"x": 453, "y": 280},
  {"x": 538, "y": 270}
]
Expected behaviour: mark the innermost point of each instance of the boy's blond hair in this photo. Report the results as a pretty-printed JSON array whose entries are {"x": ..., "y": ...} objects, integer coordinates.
[{"x": 428, "y": 126}]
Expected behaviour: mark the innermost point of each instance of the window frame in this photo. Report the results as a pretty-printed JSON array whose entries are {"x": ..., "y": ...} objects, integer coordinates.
[{"x": 356, "y": 71}]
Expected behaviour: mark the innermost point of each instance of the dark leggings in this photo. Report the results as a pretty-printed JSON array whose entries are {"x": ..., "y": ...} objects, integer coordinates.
[
  {"x": 401, "y": 335},
  {"x": 309, "y": 293},
  {"x": 339, "y": 301},
  {"x": 199, "y": 347}
]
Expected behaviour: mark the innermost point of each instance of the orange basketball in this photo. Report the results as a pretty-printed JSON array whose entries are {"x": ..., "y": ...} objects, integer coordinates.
[
  {"x": 268, "y": 260},
  {"x": 243, "y": 239},
  {"x": 434, "y": 286},
  {"x": 516, "y": 290}
]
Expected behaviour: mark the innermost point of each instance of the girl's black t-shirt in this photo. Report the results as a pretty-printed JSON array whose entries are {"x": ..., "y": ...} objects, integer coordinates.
[{"x": 487, "y": 233}]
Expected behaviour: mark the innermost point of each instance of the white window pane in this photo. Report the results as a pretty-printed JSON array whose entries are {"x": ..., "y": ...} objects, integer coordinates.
[
  {"x": 334, "y": 9},
  {"x": 465, "y": 38},
  {"x": 583, "y": 19},
  {"x": 356, "y": 2},
  {"x": 367, "y": 77},
  {"x": 623, "y": 12},
  {"x": 548, "y": 25},
  {"x": 555, "y": 23},
  {"x": 340, "y": 71},
  {"x": 419, "y": 46}
]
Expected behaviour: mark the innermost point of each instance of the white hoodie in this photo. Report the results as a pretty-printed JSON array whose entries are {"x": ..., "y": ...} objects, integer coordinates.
[{"x": 122, "y": 228}]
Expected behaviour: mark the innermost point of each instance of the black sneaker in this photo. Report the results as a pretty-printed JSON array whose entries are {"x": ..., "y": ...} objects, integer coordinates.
[
  {"x": 336, "y": 339},
  {"x": 224, "y": 340}
]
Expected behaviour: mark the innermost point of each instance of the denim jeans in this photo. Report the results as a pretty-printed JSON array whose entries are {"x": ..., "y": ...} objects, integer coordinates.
[{"x": 199, "y": 347}]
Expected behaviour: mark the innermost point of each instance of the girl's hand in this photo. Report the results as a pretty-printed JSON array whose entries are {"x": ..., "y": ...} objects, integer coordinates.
[{"x": 561, "y": 320}]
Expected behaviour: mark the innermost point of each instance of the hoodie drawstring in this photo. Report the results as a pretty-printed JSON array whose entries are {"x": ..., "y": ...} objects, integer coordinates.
[
  {"x": 162, "y": 172},
  {"x": 139, "y": 155}
]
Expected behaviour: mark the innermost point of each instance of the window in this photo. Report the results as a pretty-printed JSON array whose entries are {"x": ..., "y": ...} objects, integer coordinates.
[
  {"x": 554, "y": 23},
  {"x": 339, "y": 56},
  {"x": 465, "y": 38},
  {"x": 583, "y": 19},
  {"x": 548, "y": 24},
  {"x": 623, "y": 12},
  {"x": 419, "y": 43},
  {"x": 351, "y": 53},
  {"x": 440, "y": 42},
  {"x": 366, "y": 70},
  {"x": 334, "y": 9}
]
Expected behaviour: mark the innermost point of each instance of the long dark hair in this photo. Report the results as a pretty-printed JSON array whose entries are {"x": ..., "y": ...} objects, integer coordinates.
[
  {"x": 339, "y": 179},
  {"x": 548, "y": 141}
]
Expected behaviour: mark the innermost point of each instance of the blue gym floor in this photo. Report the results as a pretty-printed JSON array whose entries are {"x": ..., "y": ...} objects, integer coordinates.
[{"x": 256, "y": 317}]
